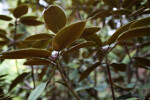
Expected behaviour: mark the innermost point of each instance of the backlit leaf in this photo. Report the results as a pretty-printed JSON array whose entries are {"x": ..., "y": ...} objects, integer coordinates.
[
  {"x": 37, "y": 62},
  {"x": 67, "y": 35},
  {"x": 90, "y": 31},
  {"x": 5, "y": 18},
  {"x": 37, "y": 37},
  {"x": 17, "y": 80},
  {"x": 88, "y": 71},
  {"x": 119, "y": 66},
  {"x": 121, "y": 12},
  {"x": 55, "y": 18},
  {"x": 133, "y": 33},
  {"x": 77, "y": 47},
  {"x": 95, "y": 38},
  {"x": 25, "y": 53},
  {"x": 141, "y": 23},
  {"x": 118, "y": 32},
  {"x": 20, "y": 10},
  {"x": 37, "y": 92}
]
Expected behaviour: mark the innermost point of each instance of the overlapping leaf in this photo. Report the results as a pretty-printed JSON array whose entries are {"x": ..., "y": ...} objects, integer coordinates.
[
  {"x": 5, "y": 18},
  {"x": 20, "y": 10},
  {"x": 88, "y": 71},
  {"x": 77, "y": 47},
  {"x": 37, "y": 92},
  {"x": 118, "y": 32},
  {"x": 141, "y": 23},
  {"x": 38, "y": 37},
  {"x": 55, "y": 18},
  {"x": 67, "y": 35},
  {"x": 135, "y": 32},
  {"x": 17, "y": 80},
  {"x": 37, "y": 62},
  {"x": 101, "y": 14},
  {"x": 25, "y": 53},
  {"x": 89, "y": 31}
]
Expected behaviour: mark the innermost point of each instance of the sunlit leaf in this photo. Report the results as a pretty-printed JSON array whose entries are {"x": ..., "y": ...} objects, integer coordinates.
[
  {"x": 5, "y": 18},
  {"x": 135, "y": 32},
  {"x": 37, "y": 37},
  {"x": 17, "y": 80},
  {"x": 25, "y": 53},
  {"x": 121, "y": 12},
  {"x": 119, "y": 66},
  {"x": 77, "y": 47},
  {"x": 20, "y": 10},
  {"x": 95, "y": 38},
  {"x": 37, "y": 62},
  {"x": 89, "y": 31},
  {"x": 118, "y": 32},
  {"x": 88, "y": 71},
  {"x": 141, "y": 23},
  {"x": 55, "y": 18},
  {"x": 37, "y": 92},
  {"x": 67, "y": 35}
]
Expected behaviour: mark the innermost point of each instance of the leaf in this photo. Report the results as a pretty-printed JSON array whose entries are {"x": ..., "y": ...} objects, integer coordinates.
[
  {"x": 95, "y": 38},
  {"x": 28, "y": 17},
  {"x": 42, "y": 44},
  {"x": 90, "y": 31},
  {"x": 19, "y": 36},
  {"x": 142, "y": 61},
  {"x": 5, "y": 42},
  {"x": 20, "y": 10},
  {"x": 38, "y": 37},
  {"x": 37, "y": 62},
  {"x": 37, "y": 92},
  {"x": 17, "y": 80},
  {"x": 31, "y": 22},
  {"x": 25, "y": 53},
  {"x": 118, "y": 32},
  {"x": 77, "y": 47},
  {"x": 139, "y": 11},
  {"x": 140, "y": 23},
  {"x": 101, "y": 14},
  {"x": 67, "y": 35},
  {"x": 119, "y": 66},
  {"x": 55, "y": 18},
  {"x": 1, "y": 76},
  {"x": 136, "y": 32},
  {"x": 5, "y": 18},
  {"x": 129, "y": 3},
  {"x": 88, "y": 71},
  {"x": 121, "y": 12},
  {"x": 111, "y": 3}
]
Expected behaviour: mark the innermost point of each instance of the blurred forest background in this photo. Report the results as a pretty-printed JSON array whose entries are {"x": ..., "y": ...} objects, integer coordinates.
[{"x": 129, "y": 61}]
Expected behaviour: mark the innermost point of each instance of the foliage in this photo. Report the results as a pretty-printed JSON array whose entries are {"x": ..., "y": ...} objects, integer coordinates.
[{"x": 75, "y": 49}]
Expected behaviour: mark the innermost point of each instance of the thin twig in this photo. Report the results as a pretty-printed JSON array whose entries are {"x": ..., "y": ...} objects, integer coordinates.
[
  {"x": 110, "y": 79},
  {"x": 32, "y": 72}
]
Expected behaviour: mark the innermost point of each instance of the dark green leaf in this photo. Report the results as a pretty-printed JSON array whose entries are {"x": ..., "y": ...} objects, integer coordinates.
[
  {"x": 142, "y": 61},
  {"x": 20, "y": 10},
  {"x": 119, "y": 66},
  {"x": 5, "y": 18},
  {"x": 37, "y": 61},
  {"x": 89, "y": 31},
  {"x": 121, "y": 12}
]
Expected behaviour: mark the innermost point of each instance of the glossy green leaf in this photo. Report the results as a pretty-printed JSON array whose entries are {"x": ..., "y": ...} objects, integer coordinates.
[
  {"x": 68, "y": 35},
  {"x": 89, "y": 31},
  {"x": 88, "y": 71},
  {"x": 118, "y": 32},
  {"x": 101, "y": 14},
  {"x": 142, "y": 61},
  {"x": 37, "y": 62},
  {"x": 119, "y": 66},
  {"x": 5, "y": 18},
  {"x": 133, "y": 33},
  {"x": 95, "y": 38},
  {"x": 121, "y": 12},
  {"x": 17, "y": 80},
  {"x": 38, "y": 37},
  {"x": 55, "y": 18},
  {"x": 77, "y": 47},
  {"x": 37, "y": 92},
  {"x": 25, "y": 53},
  {"x": 141, "y": 23},
  {"x": 20, "y": 10}
]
